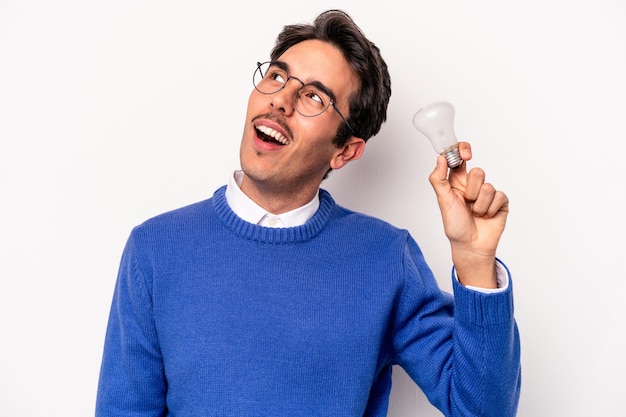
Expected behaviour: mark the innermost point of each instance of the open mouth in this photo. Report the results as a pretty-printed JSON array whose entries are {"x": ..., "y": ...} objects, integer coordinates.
[{"x": 267, "y": 134}]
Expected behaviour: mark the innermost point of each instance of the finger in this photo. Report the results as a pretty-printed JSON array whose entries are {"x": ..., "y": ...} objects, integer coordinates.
[
  {"x": 484, "y": 200},
  {"x": 465, "y": 149},
  {"x": 499, "y": 204},
  {"x": 474, "y": 181},
  {"x": 490, "y": 202}
]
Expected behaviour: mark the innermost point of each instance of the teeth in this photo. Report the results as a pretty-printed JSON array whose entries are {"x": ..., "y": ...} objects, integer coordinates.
[{"x": 277, "y": 136}]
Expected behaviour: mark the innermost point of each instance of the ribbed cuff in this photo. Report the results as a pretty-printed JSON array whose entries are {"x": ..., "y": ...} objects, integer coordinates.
[{"x": 483, "y": 309}]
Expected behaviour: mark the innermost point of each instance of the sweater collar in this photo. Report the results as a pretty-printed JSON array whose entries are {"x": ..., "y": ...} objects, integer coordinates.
[{"x": 263, "y": 234}]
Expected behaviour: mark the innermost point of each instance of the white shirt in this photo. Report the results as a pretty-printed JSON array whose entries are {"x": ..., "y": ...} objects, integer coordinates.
[{"x": 248, "y": 210}]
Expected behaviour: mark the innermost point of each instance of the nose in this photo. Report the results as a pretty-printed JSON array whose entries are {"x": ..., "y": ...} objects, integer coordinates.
[{"x": 285, "y": 99}]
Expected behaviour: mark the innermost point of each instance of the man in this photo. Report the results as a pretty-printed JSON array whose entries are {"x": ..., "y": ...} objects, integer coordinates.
[{"x": 269, "y": 299}]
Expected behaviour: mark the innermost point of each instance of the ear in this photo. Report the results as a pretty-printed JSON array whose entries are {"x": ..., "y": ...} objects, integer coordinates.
[{"x": 351, "y": 151}]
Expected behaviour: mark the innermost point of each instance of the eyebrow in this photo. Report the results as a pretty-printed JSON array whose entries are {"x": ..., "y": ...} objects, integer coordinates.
[{"x": 317, "y": 84}]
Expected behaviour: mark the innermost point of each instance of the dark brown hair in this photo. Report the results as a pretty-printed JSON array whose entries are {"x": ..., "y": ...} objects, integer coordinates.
[{"x": 368, "y": 106}]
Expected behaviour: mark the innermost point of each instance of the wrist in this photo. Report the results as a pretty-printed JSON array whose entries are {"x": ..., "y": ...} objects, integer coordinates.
[{"x": 475, "y": 269}]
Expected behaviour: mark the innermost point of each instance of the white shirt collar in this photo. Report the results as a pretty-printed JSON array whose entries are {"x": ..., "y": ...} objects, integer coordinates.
[{"x": 251, "y": 212}]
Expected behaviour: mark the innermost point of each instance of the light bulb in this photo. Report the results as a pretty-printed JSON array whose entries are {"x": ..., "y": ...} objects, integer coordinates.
[{"x": 436, "y": 122}]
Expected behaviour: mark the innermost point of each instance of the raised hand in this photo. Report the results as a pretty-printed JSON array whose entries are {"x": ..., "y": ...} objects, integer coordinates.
[{"x": 474, "y": 216}]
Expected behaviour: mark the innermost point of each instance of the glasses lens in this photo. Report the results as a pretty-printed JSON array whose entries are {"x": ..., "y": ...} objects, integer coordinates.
[
  {"x": 311, "y": 101},
  {"x": 269, "y": 79}
]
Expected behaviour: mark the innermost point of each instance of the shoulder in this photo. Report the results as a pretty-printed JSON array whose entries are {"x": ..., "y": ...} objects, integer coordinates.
[
  {"x": 183, "y": 222},
  {"x": 189, "y": 213},
  {"x": 364, "y": 226}
]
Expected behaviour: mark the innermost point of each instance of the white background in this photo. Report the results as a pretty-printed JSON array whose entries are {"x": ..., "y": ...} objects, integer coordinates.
[{"x": 111, "y": 112}]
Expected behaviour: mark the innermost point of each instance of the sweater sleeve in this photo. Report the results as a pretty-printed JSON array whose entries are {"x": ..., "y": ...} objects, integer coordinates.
[
  {"x": 132, "y": 381},
  {"x": 463, "y": 351}
]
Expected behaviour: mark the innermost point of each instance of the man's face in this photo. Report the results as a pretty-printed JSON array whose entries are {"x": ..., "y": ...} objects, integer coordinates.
[{"x": 306, "y": 152}]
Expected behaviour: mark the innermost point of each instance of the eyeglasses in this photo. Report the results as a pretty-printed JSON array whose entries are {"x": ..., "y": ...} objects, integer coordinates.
[{"x": 310, "y": 100}]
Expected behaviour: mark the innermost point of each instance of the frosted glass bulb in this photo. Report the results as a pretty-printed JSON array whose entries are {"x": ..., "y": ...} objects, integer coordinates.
[{"x": 436, "y": 122}]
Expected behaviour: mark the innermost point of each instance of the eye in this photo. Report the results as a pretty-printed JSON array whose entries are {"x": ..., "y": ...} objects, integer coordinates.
[
  {"x": 277, "y": 75},
  {"x": 313, "y": 96}
]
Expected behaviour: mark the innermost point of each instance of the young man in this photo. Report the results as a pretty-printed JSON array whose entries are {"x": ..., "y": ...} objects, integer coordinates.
[{"x": 269, "y": 299}]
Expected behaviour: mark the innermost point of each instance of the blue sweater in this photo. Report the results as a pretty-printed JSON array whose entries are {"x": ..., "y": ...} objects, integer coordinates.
[{"x": 214, "y": 316}]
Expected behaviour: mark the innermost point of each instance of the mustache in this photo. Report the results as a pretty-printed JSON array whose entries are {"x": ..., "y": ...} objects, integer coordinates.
[{"x": 276, "y": 119}]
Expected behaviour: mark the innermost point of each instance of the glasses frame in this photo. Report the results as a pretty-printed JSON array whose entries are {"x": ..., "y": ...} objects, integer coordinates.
[{"x": 297, "y": 94}]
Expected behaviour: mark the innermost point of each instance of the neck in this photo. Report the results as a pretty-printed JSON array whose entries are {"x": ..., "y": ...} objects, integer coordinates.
[{"x": 277, "y": 200}]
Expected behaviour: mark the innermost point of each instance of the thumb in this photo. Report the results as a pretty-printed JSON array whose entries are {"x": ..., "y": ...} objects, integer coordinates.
[{"x": 439, "y": 177}]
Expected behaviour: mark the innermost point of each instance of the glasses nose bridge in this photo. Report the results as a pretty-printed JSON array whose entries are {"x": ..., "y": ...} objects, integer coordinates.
[
  {"x": 291, "y": 77},
  {"x": 291, "y": 96}
]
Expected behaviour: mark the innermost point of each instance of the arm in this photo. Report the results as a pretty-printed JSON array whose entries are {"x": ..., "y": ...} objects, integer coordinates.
[
  {"x": 465, "y": 356},
  {"x": 132, "y": 381}
]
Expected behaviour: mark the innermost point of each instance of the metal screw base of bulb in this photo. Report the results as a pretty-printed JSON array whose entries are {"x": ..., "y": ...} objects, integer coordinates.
[{"x": 453, "y": 157}]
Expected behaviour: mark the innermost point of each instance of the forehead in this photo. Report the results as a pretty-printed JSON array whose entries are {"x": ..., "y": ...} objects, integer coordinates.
[{"x": 315, "y": 60}]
